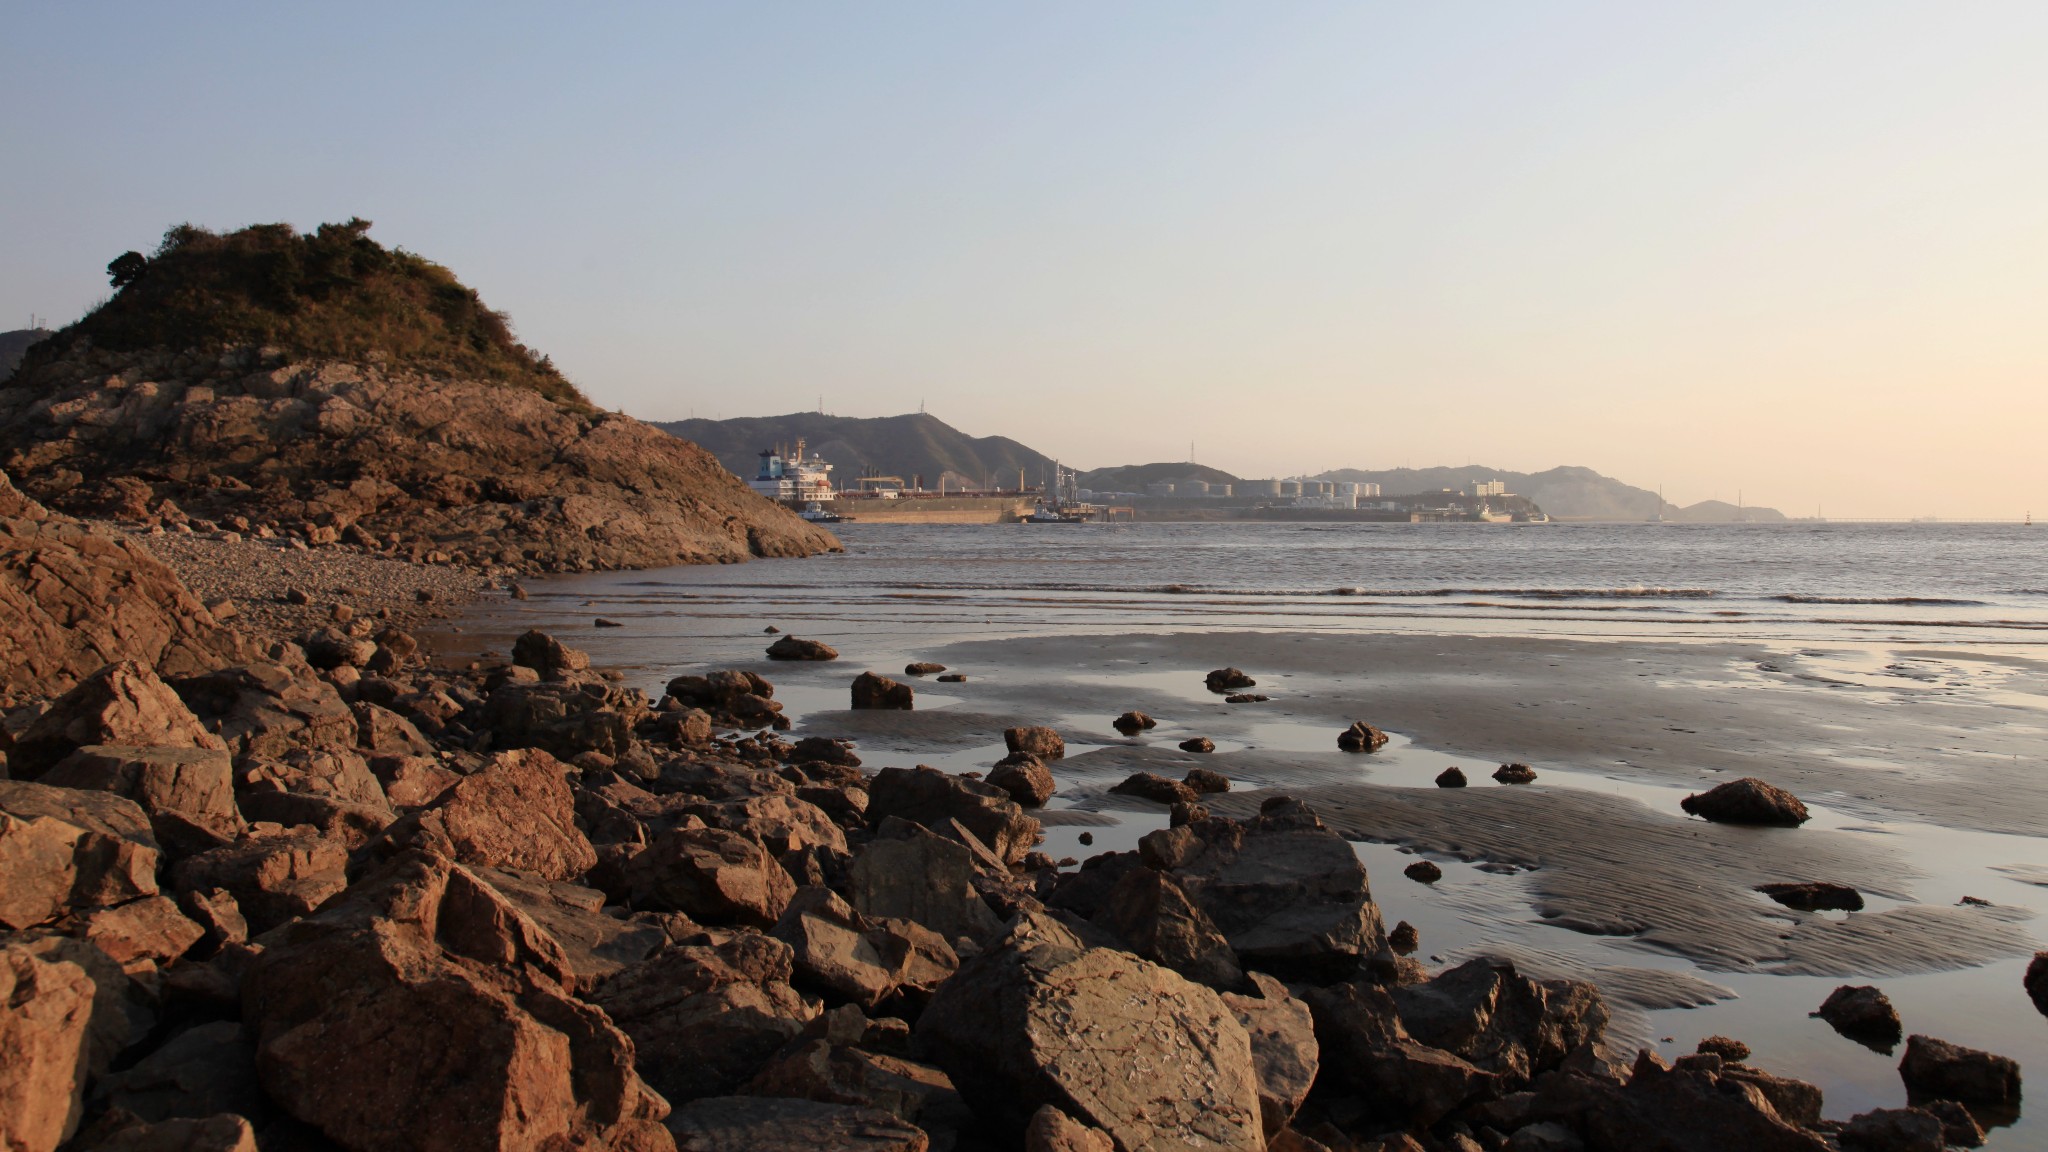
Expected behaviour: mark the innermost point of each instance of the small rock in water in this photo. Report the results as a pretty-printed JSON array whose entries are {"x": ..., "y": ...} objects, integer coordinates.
[
  {"x": 1361, "y": 737},
  {"x": 1403, "y": 938},
  {"x": 1086, "y": 838},
  {"x": 791, "y": 648},
  {"x": 1246, "y": 698},
  {"x": 768, "y": 631},
  {"x": 2036, "y": 982},
  {"x": 1815, "y": 896},
  {"x": 953, "y": 678},
  {"x": 1864, "y": 1014},
  {"x": 1186, "y": 812},
  {"x": 1198, "y": 744},
  {"x": 1952, "y": 1072},
  {"x": 1727, "y": 1048},
  {"x": 1425, "y": 871},
  {"x": 922, "y": 668},
  {"x": 1958, "y": 1126},
  {"x": 1037, "y": 740},
  {"x": 1148, "y": 786},
  {"x": 519, "y": 591},
  {"x": 1515, "y": 774},
  {"x": 1224, "y": 680},
  {"x": 874, "y": 692},
  {"x": 1747, "y": 801},
  {"x": 1973, "y": 902},
  {"x": 1452, "y": 777},
  {"x": 1131, "y": 722},
  {"x": 604, "y": 623},
  {"x": 1894, "y": 1130},
  {"x": 1205, "y": 780}
]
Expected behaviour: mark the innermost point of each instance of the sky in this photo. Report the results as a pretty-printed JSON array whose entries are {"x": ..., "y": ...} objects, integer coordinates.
[{"x": 1795, "y": 252}]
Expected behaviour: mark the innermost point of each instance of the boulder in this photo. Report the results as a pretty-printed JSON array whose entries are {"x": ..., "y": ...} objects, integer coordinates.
[
  {"x": 123, "y": 703},
  {"x": 516, "y": 812},
  {"x": 412, "y": 781},
  {"x": 1424, "y": 871},
  {"x": 1958, "y": 1125},
  {"x": 149, "y": 929},
  {"x": 1112, "y": 1041},
  {"x": 178, "y": 787},
  {"x": 341, "y": 776},
  {"x": 1159, "y": 789},
  {"x": 1025, "y": 777},
  {"x": 1285, "y": 1055},
  {"x": 1688, "y": 1110},
  {"x": 1198, "y": 744},
  {"x": 704, "y": 1018},
  {"x": 1747, "y": 801},
  {"x": 272, "y": 879},
  {"x": 1361, "y": 737},
  {"x": 758, "y": 1123},
  {"x": 1224, "y": 680},
  {"x": 1154, "y": 918},
  {"x": 836, "y": 949},
  {"x": 733, "y": 697},
  {"x": 2036, "y": 982},
  {"x": 45, "y": 1014},
  {"x": 910, "y": 873},
  {"x": 1286, "y": 891},
  {"x": 546, "y": 655},
  {"x": 1132, "y": 723},
  {"x": 922, "y": 668},
  {"x": 202, "y": 1071},
  {"x": 565, "y": 720},
  {"x": 63, "y": 848},
  {"x": 792, "y": 648},
  {"x": 382, "y": 732},
  {"x": 1795, "y": 1101},
  {"x": 1205, "y": 781},
  {"x": 266, "y": 711},
  {"x": 594, "y": 943},
  {"x": 1452, "y": 777},
  {"x": 1936, "y": 1068},
  {"x": 468, "y": 1006},
  {"x": 1863, "y": 1014},
  {"x": 1815, "y": 896},
  {"x": 1496, "y": 1019},
  {"x": 1041, "y": 742},
  {"x": 1894, "y": 1130},
  {"x": 218, "y": 914},
  {"x": 1403, "y": 938},
  {"x": 712, "y": 875},
  {"x": 1365, "y": 1051},
  {"x": 1515, "y": 774},
  {"x": 928, "y": 796},
  {"x": 881, "y": 693}
]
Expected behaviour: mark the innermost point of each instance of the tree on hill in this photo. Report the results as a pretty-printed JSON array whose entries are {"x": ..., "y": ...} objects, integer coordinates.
[{"x": 332, "y": 293}]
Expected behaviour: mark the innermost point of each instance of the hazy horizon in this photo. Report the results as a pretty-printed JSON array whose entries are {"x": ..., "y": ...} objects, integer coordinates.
[{"x": 1792, "y": 252}]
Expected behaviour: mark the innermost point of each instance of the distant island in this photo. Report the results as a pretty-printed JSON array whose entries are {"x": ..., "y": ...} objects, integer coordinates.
[{"x": 924, "y": 451}]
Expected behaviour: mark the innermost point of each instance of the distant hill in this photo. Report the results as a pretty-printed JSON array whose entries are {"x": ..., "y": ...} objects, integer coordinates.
[
  {"x": 1565, "y": 493},
  {"x": 13, "y": 344},
  {"x": 906, "y": 446},
  {"x": 1134, "y": 477}
]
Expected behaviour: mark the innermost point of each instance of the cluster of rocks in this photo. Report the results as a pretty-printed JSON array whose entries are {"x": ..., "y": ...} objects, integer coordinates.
[
  {"x": 331, "y": 897},
  {"x": 376, "y": 458}
]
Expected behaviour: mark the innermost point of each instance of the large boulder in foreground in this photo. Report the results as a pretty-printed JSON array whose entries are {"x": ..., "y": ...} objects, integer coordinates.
[
  {"x": 1111, "y": 1040},
  {"x": 466, "y": 1007},
  {"x": 928, "y": 796},
  {"x": 1938, "y": 1069},
  {"x": 62, "y": 848},
  {"x": 45, "y": 1017},
  {"x": 1747, "y": 801},
  {"x": 75, "y": 600},
  {"x": 518, "y": 812},
  {"x": 122, "y": 703}
]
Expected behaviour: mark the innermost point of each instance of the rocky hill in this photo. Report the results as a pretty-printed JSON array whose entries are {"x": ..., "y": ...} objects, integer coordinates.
[
  {"x": 1134, "y": 477},
  {"x": 322, "y": 387},
  {"x": 13, "y": 345},
  {"x": 906, "y": 446},
  {"x": 1565, "y": 493}
]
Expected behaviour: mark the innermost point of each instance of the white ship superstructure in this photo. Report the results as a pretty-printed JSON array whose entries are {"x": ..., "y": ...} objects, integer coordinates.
[{"x": 788, "y": 478}]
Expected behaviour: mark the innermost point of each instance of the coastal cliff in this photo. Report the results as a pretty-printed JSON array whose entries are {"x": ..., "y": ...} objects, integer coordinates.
[{"x": 323, "y": 388}]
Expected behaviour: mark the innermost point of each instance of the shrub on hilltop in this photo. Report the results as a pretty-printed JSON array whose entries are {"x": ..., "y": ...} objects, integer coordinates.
[{"x": 332, "y": 293}]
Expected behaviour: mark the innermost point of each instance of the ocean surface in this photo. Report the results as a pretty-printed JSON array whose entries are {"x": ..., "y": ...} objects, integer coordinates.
[{"x": 1913, "y": 583}]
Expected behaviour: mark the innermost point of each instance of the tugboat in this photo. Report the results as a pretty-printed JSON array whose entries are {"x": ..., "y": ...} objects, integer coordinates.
[
  {"x": 1065, "y": 507},
  {"x": 816, "y": 514}
]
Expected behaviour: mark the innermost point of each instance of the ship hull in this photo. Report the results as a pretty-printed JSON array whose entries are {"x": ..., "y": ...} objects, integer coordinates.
[{"x": 933, "y": 509}]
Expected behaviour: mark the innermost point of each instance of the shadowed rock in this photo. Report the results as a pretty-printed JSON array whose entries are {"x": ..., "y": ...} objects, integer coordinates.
[
  {"x": 123, "y": 703},
  {"x": 62, "y": 848},
  {"x": 45, "y": 1013},
  {"x": 881, "y": 693},
  {"x": 1361, "y": 737},
  {"x": 792, "y": 648},
  {"x": 1815, "y": 896},
  {"x": 1936, "y": 1068},
  {"x": 1038, "y": 741},
  {"x": 1747, "y": 801},
  {"x": 1224, "y": 680}
]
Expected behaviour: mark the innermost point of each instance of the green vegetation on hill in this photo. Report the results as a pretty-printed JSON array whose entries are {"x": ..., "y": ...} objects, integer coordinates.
[
  {"x": 906, "y": 446},
  {"x": 333, "y": 293}
]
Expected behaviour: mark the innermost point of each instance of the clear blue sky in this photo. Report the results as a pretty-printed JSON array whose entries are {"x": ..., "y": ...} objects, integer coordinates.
[{"x": 1799, "y": 250}]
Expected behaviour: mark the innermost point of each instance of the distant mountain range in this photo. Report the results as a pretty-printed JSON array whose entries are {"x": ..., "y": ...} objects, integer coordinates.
[
  {"x": 921, "y": 445},
  {"x": 14, "y": 344},
  {"x": 906, "y": 446}
]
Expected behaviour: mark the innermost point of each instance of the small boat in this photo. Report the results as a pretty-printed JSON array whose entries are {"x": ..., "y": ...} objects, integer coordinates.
[
  {"x": 1065, "y": 506},
  {"x": 816, "y": 513}
]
